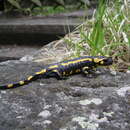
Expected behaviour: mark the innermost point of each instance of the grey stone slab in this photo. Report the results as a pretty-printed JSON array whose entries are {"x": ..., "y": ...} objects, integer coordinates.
[
  {"x": 15, "y": 52},
  {"x": 38, "y": 25},
  {"x": 78, "y": 103}
]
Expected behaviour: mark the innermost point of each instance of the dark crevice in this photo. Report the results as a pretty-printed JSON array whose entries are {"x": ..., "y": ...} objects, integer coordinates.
[
  {"x": 2, "y": 59},
  {"x": 28, "y": 39}
]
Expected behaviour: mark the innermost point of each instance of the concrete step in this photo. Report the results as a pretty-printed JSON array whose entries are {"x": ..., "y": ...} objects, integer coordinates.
[{"x": 39, "y": 30}]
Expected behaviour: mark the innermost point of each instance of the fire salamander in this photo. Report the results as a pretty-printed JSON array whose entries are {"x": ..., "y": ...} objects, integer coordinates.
[{"x": 61, "y": 70}]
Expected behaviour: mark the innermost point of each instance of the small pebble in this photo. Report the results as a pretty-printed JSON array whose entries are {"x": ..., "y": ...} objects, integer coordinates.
[
  {"x": 122, "y": 91},
  {"x": 128, "y": 71},
  {"x": 113, "y": 72},
  {"x": 44, "y": 114}
]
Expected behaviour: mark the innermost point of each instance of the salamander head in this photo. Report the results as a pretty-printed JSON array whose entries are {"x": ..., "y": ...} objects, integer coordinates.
[{"x": 103, "y": 61}]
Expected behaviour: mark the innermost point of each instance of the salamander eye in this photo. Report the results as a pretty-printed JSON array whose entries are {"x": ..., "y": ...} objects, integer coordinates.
[{"x": 106, "y": 61}]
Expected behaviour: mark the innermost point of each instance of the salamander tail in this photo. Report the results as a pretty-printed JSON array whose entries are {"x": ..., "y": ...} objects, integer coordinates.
[{"x": 18, "y": 84}]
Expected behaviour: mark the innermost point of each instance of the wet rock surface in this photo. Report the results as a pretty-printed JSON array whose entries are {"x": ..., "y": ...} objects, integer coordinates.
[
  {"x": 36, "y": 30},
  {"x": 39, "y": 29},
  {"x": 15, "y": 52},
  {"x": 78, "y": 103}
]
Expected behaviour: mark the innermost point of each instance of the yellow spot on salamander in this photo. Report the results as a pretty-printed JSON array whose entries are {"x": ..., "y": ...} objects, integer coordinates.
[
  {"x": 21, "y": 82},
  {"x": 53, "y": 66},
  {"x": 76, "y": 61},
  {"x": 30, "y": 77},
  {"x": 56, "y": 71},
  {"x": 78, "y": 70},
  {"x": 86, "y": 67},
  {"x": 67, "y": 63},
  {"x": 102, "y": 62},
  {"x": 64, "y": 73},
  {"x": 10, "y": 85},
  {"x": 41, "y": 72},
  {"x": 71, "y": 72},
  {"x": 96, "y": 60}
]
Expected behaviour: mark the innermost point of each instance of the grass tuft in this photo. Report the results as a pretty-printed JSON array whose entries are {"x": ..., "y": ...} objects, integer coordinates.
[{"x": 107, "y": 33}]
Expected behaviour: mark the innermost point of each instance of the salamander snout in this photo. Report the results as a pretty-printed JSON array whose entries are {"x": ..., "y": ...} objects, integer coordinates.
[{"x": 106, "y": 61}]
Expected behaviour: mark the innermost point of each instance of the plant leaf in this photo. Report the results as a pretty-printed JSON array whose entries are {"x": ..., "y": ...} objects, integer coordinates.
[
  {"x": 37, "y": 2},
  {"x": 14, "y": 3}
]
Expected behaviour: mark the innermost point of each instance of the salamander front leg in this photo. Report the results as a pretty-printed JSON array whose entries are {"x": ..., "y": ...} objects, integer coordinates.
[{"x": 89, "y": 71}]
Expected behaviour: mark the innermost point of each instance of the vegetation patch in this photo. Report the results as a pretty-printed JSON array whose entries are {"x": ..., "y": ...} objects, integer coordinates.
[
  {"x": 38, "y": 7},
  {"x": 51, "y": 10},
  {"x": 107, "y": 33}
]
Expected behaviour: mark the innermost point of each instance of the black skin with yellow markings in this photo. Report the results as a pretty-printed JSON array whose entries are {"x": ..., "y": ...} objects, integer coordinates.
[{"x": 61, "y": 70}]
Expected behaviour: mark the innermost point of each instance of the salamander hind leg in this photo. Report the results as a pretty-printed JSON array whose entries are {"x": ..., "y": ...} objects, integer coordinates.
[
  {"x": 56, "y": 74},
  {"x": 53, "y": 73}
]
